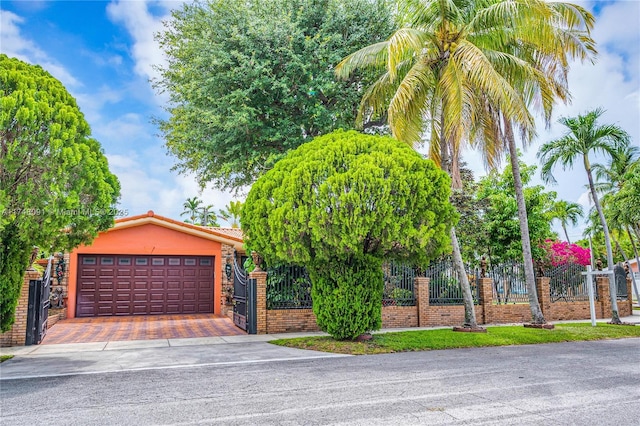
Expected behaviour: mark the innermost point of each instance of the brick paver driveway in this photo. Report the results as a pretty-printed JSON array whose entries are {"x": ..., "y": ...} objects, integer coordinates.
[{"x": 83, "y": 330}]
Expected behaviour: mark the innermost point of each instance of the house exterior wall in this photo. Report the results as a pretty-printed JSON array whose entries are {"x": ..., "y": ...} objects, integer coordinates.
[{"x": 148, "y": 239}]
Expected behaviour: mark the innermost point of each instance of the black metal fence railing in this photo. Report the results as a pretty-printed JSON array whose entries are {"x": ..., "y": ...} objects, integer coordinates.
[
  {"x": 568, "y": 284},
  {"x": 288, "y": 287},
  {"x": 509, "y": 284},
  {"x": 444, "y": 285},
  {"x": 398, "y": 285}
]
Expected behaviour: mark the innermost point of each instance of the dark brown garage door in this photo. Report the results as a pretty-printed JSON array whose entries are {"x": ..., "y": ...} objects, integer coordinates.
[{"x": 144, "y": 285}]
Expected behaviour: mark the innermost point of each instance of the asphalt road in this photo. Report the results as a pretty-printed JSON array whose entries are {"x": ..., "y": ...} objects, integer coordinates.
[{"x": 585, "y": 383}]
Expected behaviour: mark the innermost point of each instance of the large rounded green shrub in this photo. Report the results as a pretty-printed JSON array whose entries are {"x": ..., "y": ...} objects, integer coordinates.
[{"x": 339, "y": 205}]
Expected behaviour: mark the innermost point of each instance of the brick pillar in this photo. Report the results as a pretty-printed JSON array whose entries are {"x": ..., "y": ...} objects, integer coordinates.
[
  {"x": 627, "y": 308},
  {"x": 422, "y": 299},
  {"x": 544, "y": 296},
  {"x": 226, "y": 305},
  {"x": 602, "y": 286},
  {"x": 18, "y": 333},
  {"x": 485, "y": 289},
  {"x": 261, "y": 301}
]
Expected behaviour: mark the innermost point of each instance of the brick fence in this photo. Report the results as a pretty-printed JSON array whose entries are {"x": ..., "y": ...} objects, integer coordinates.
[
  {"x": 272, "y": 321},
  {"x": 17, "y": 335}
]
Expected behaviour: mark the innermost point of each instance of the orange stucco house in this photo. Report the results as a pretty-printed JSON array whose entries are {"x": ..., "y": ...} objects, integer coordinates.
[{"x": 150, "y": 264}]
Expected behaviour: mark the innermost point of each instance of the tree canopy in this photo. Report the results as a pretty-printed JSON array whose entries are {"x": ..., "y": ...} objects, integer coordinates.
[
  {"x": 500, "y": 215},
  {"x": 249, "y": 81},
  {"x": 341, "y": 204},
  {"x": 347, "y": 194},
  {"x": 56, "y": 190}
]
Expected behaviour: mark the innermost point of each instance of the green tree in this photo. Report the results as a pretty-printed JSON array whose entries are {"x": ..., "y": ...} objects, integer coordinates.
[
  {"x": 56, "y": 190},
  {"x": 191, "y": 208},
  {"x": 231, "y": 213},
  {"x": 250, "y": 80},
  {"x": 466, "y": 71},
  {"x": 471, "y": 232},
  {"x": 207, "y": 216},
  {"x": 586, "y": 136},
  {"x": 341, "y": 204},
  {"x": 500, "y": 217},
  {"x": 567, "y": 213}
]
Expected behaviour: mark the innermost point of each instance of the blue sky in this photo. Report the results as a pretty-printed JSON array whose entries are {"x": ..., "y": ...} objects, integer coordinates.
[{"x": 104, "y": 53}]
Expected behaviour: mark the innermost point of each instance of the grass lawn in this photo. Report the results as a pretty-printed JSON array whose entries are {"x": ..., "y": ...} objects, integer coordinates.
[
  {"x": 424, "y": 340},
  {"x": 4, "y": 358}
]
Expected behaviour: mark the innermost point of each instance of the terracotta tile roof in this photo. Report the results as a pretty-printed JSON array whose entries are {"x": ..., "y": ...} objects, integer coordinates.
[{"x": 232, "y": 232}]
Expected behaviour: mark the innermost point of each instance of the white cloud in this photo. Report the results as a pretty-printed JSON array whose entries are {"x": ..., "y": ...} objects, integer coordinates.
[
  {"x": 14, "y": 44},
  {"x": 142, "y": 25},
  {"x": 165, "y": 194}
]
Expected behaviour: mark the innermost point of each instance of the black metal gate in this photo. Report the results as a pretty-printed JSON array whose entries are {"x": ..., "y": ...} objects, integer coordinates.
[
  {"x": 38, "y": 311},
  {"x": 244, "y": 299}
]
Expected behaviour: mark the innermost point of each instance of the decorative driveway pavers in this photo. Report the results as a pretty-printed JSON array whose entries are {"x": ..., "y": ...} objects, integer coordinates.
[{"x": 84, "y": 330}]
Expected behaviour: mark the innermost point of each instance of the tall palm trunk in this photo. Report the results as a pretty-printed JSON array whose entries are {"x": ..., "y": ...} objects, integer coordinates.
[
  {"x": 467, "y": 297},
  {"x": 615, "y": 317},
  {"x": 536, "y": 313},
  {"x": 564, "y": 228}
]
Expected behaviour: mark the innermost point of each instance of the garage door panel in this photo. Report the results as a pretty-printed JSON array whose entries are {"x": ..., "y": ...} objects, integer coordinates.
[
  {"x": 104, "y": 297},
  {"x": 140, "y": 296},
  {"x": 88, "y": 273},
  {"x": 106, "y": 286},
  {"x": 124, "y": 273},
  {"x": 123, "y": 309},
  {"x": 123, "y": 296},
  {"x": 204, "y": 306},
  {"x": 173, "y": 308},
  {"x": 173, "y": 297},
  {"x": 140, "y": 273},
  {"x": 144, "y": 285},
  {"x": 124, "y": 286},
  {"x": 189, "y": 308},
  {"x": 140, "y": 286},
  {"x": 89, "y": 286},
  {"x": 157, "y": 309},
  {"x": 105, "y": 309},
  {"x": 156, "y": 297},
  {"x": 157, "y": 286},
  {"x": 140, "y": 309},
  {"x": 109, "y": 272}
]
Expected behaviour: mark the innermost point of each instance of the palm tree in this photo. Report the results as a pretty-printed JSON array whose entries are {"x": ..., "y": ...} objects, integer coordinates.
[
  {"x": 207, "y": 216},
  {"x": 231, "y": 213},
  {"x": 191, "y": 207},
  {"x": 465, "y": 71},
  {"x": 567, "y": 213},
  {"x": 611, "y": 178},
  {"x": 585, "y": 136}
]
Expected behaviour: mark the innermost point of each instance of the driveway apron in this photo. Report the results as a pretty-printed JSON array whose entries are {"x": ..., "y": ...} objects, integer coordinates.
[{"x": 86, "y": 330}]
